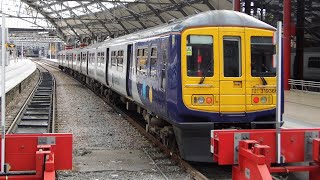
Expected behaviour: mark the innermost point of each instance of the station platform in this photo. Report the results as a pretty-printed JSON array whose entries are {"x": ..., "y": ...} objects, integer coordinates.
[
  {"x": 301, "y": 109},
  {"x": 16, "y": 72}
]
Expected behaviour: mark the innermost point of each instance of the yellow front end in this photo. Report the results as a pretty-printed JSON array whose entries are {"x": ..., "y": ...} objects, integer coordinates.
[{"x": 228, "y": 69}]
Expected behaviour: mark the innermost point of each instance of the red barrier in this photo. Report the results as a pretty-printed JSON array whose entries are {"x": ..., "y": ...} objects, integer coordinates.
[
  {"x": 37, "y": 156},
  {"x": 253, "y": 151}
]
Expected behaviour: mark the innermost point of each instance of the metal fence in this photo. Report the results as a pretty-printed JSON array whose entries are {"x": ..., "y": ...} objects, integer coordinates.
[{"x": 302, "y": 85}]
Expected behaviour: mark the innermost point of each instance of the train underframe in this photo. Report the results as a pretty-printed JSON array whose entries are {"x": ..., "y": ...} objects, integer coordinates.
[{"x": 192, "y": 141}]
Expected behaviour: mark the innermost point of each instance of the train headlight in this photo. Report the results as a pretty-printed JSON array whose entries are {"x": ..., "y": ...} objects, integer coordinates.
[
  {"x": 264, "y": 99},
  {"x": 200, "y": 100}
]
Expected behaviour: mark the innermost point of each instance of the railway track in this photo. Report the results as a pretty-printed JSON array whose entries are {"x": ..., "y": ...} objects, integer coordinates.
[
  {"x": 37, "y": 115},
  {"x": 196, "y": 170}
]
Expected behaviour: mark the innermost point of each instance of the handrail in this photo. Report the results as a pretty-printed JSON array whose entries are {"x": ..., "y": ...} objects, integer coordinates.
[{"x": 304, "y": 85}]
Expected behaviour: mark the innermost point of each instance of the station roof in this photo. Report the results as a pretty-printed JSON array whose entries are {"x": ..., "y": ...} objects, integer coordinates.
[
  {"x": 86, "y": 20},
  {"x": 101, "y": 18}
]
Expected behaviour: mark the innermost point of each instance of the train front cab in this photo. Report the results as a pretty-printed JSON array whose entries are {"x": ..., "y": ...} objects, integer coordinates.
[{"x": 228, "y": 77}]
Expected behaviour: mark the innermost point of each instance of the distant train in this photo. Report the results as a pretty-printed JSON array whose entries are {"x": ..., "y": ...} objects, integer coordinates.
[
  {"x": 311, "y": 64},
  {"x": 211, "y": 70}
]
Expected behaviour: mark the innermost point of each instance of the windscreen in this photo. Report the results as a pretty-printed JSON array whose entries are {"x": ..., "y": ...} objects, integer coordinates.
[
  {"x": 262, "y": 50},
  {"x": 199, "y": 56}
]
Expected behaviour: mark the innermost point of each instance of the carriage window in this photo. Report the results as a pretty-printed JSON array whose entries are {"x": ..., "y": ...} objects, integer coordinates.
[
  {"x": 153, "y": 62},
  {"x": 199, "y": 56},
  {"x": 314, "y": 62},
  {"x": 101, "y": 58},
  {"x": 142, "y": 61},
  {"x": 262, "y": 50},
  {"x": 139, "y": 54},
  {"x": 120, "y": 60},
  {"x": 98, "y": 59},
  {"x": 84, "y": 56},
  {"x": 92, "y": 58},
  {"x": 78, "y": 58},
  {"x": 113, "y": 58},
  {"x": 232, "y": 57}
]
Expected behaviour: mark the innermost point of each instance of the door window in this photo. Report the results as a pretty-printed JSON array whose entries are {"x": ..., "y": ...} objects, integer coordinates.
[{"x": 232, "y": 57}]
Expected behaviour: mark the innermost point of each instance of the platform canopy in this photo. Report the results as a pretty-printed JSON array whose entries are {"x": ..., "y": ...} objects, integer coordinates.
[{"x": 98, "y": 19}]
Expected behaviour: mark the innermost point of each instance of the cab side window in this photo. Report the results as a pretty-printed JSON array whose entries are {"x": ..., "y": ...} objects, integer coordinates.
[{"x": 199, "y": 53}]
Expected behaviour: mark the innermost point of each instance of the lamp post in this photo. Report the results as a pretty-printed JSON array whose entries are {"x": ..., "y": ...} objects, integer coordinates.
[{"x": 3, "y": 94}]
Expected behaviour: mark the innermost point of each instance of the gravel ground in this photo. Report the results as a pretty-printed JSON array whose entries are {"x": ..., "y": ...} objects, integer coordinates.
[{"x": 105, "y": 145}]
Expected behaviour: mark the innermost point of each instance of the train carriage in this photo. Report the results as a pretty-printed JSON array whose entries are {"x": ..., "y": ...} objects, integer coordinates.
[{"x": 211, "y": 70}]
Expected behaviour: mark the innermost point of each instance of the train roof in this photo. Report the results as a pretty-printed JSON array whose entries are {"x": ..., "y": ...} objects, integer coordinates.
[
  {"x": 222, "y": 18},
  {"x": 204, "y": 19}
]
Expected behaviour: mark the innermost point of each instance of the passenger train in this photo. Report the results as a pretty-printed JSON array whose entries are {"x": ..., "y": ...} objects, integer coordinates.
[
  {"x": 212, "y": 70},
  {"x": 311, "y": 64}
]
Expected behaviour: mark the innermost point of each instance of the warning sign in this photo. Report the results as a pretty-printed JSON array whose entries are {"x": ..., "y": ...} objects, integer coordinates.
[{"x": 189, "y": 50}]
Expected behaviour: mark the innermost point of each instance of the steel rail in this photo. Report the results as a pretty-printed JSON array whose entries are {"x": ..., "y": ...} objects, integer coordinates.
[
  {"x": 14, "y": 122},
  {"x": 53, "y": 122},
  {"x": 51, "y": 114}
]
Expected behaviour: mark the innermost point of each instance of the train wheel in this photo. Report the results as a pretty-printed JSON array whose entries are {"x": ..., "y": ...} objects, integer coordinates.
[{"x": 168, "y": 138}]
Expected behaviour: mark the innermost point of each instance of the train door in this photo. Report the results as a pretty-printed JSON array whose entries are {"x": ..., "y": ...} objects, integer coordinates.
[
  {"x": 163, "y": 74},
  {"x": 107, "y": 66},
  {"x": 232, "y": 77},
  {"x": 129, "y": 69}
]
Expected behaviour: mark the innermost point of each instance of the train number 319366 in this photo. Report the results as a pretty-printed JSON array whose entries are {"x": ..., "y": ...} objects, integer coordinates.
[{"x": 264, "y": 91}]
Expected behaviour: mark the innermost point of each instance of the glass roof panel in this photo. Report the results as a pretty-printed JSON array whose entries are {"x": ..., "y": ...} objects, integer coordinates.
[
  {"x": 57, "y": 7},
  {"x": 71, "y": 4},
  {"x": 80, "y": 11},
  {"x": 65, "y": 14},
  {"x": 108, "y": 5},
  {"x": 94, "y": 8},
  {"x": 15, "y": 9}
]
